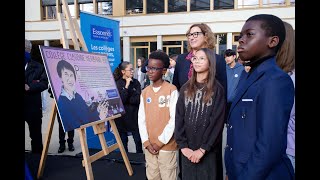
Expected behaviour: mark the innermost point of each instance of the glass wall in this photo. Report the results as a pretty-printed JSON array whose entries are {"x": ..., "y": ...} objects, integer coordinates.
[
  {"x": 173, "y": 47},
  {"x": 224, "y": 4},
  {"x": 221, "y": 45},
  {"x": 248, "y": 4},
  {"x": 177, "y": 5},
  {"x": 87, "y": 7},
  {"x": 50, "y": 12},
  {"x": 145, "y": 48},
  {"x": 139, "y": 49},
  {"x": 134, "y": 6},
  {"x": 155, "y": 6},
  {"x": 199, "y": 5},
  {"x": 105, "y": 8}
]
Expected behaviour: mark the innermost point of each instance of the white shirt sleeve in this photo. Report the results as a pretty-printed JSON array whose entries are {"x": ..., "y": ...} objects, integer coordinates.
[
  {"x": 142, "y": 122},
  {"x": 168, "y": 130}
]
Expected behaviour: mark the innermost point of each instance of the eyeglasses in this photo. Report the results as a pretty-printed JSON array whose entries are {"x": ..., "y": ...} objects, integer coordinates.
[
  {"x": 200, "y": 59},
  {"x": 129, "y": 69},
  {"x": 195, "y": 34},
  {"x": 152, "y": 69}
]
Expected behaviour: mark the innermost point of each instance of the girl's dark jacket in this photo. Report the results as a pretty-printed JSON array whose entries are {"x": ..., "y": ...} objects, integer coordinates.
[{"x": 130, "y": 97}]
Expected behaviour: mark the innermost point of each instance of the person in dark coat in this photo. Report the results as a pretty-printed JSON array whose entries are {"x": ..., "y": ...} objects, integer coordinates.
[
  {"x": 130, "y": 91},
  {"x": 36, "y": 81}
]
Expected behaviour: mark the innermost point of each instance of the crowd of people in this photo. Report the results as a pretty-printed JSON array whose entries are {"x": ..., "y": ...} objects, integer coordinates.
[{"x": 178, "y": 106}]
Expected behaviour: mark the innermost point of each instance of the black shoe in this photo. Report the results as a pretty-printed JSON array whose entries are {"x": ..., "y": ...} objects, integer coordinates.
[
  {"x": 61, "y": 148},
  {"x": 71, "y": 147}
]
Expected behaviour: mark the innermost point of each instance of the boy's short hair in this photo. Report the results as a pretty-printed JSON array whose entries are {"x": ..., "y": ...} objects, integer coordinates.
[
  {"x": 63, "y": 64},
  {"x": 229, "y": 52},
  {"x": 272, "y": 25},
  {"x": 162, "y": 56}
]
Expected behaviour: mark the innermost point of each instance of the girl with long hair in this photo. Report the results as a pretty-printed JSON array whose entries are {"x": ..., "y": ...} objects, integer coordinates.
[{"x": 200, "y": 114}]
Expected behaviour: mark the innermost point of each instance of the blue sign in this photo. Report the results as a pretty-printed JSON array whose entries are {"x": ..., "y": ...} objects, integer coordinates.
[
  {"x": 101, "y": 35},
  {"x": 112, "y": 93}
]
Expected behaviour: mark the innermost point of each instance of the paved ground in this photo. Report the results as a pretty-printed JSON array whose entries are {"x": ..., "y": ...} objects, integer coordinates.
[{"x": 54, "y": 141}]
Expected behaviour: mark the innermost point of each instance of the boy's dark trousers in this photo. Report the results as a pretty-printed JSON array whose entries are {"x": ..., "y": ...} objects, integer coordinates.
[{"x": 62, "y": 134}]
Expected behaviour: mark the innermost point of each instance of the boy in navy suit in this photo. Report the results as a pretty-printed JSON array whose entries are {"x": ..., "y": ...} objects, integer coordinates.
[{"x": 259, "y": 114}]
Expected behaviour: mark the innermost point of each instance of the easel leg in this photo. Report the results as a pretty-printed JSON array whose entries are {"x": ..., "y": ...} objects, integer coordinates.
[
  {"x": 47, "y": 142},
  {"x": 122, "y": 150},
  {"x": 100, "y": 129},
  {"x": 85, "y": 153}
]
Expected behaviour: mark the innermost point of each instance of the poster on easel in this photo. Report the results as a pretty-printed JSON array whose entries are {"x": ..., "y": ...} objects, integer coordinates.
[{"x": 83, "y": 86}]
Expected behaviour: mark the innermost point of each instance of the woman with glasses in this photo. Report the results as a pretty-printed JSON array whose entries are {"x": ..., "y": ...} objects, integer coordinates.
[
  {"x": 200, "y": 36},
  {"x": 130, "y": 91}
]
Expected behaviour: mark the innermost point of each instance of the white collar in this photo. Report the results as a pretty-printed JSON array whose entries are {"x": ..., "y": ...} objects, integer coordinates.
[{"x": 64, "y": 93}]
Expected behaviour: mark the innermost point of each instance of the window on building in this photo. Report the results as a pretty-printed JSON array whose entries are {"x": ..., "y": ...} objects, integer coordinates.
[
  {"x": 185, "y": 46},
  {"x": 177, "y": 5},
  {"x": 138, "y": 49},
  {"x": 248, "y": 4},
  {"x": 268, "y": 3},
  {"x": 49, "y": 12},
  {"x": 139, "y": 44},
  {"x": 105, "y": 8},
  {"x": 224, "y": 4},
  {"x": 221, "y": 45},
  {"x": 236, "y": 37},
  {"x": 153, "y": 46},
  {"x": 49, "y": 7},
  {"x": 172, "y": 47},
  {"x": 155, "y": 6},
  {"x": 199, "y": 5},
  {"x": 87, "y": 7},
  {"x": 134, "y": 6},
  {"x": 143, "y": 49}
]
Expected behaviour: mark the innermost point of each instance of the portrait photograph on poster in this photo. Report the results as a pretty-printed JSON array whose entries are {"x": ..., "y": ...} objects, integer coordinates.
[{"x": 83, "y": 86}]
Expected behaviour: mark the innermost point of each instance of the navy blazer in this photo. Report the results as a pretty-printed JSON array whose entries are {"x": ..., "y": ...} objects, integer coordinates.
[
  {"x": 257, "y": 125},
  {"x": 180, "y": 76}
]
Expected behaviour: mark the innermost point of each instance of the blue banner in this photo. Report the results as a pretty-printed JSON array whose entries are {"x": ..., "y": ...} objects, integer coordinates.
[{"x": 101, "y": 35}]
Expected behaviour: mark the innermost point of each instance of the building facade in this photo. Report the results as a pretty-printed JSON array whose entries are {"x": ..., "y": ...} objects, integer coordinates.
[{"x": 147, "y": 25}]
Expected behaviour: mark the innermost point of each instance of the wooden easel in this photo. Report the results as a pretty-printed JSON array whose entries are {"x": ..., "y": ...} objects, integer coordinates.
[{"x": 98, "y": 126}]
